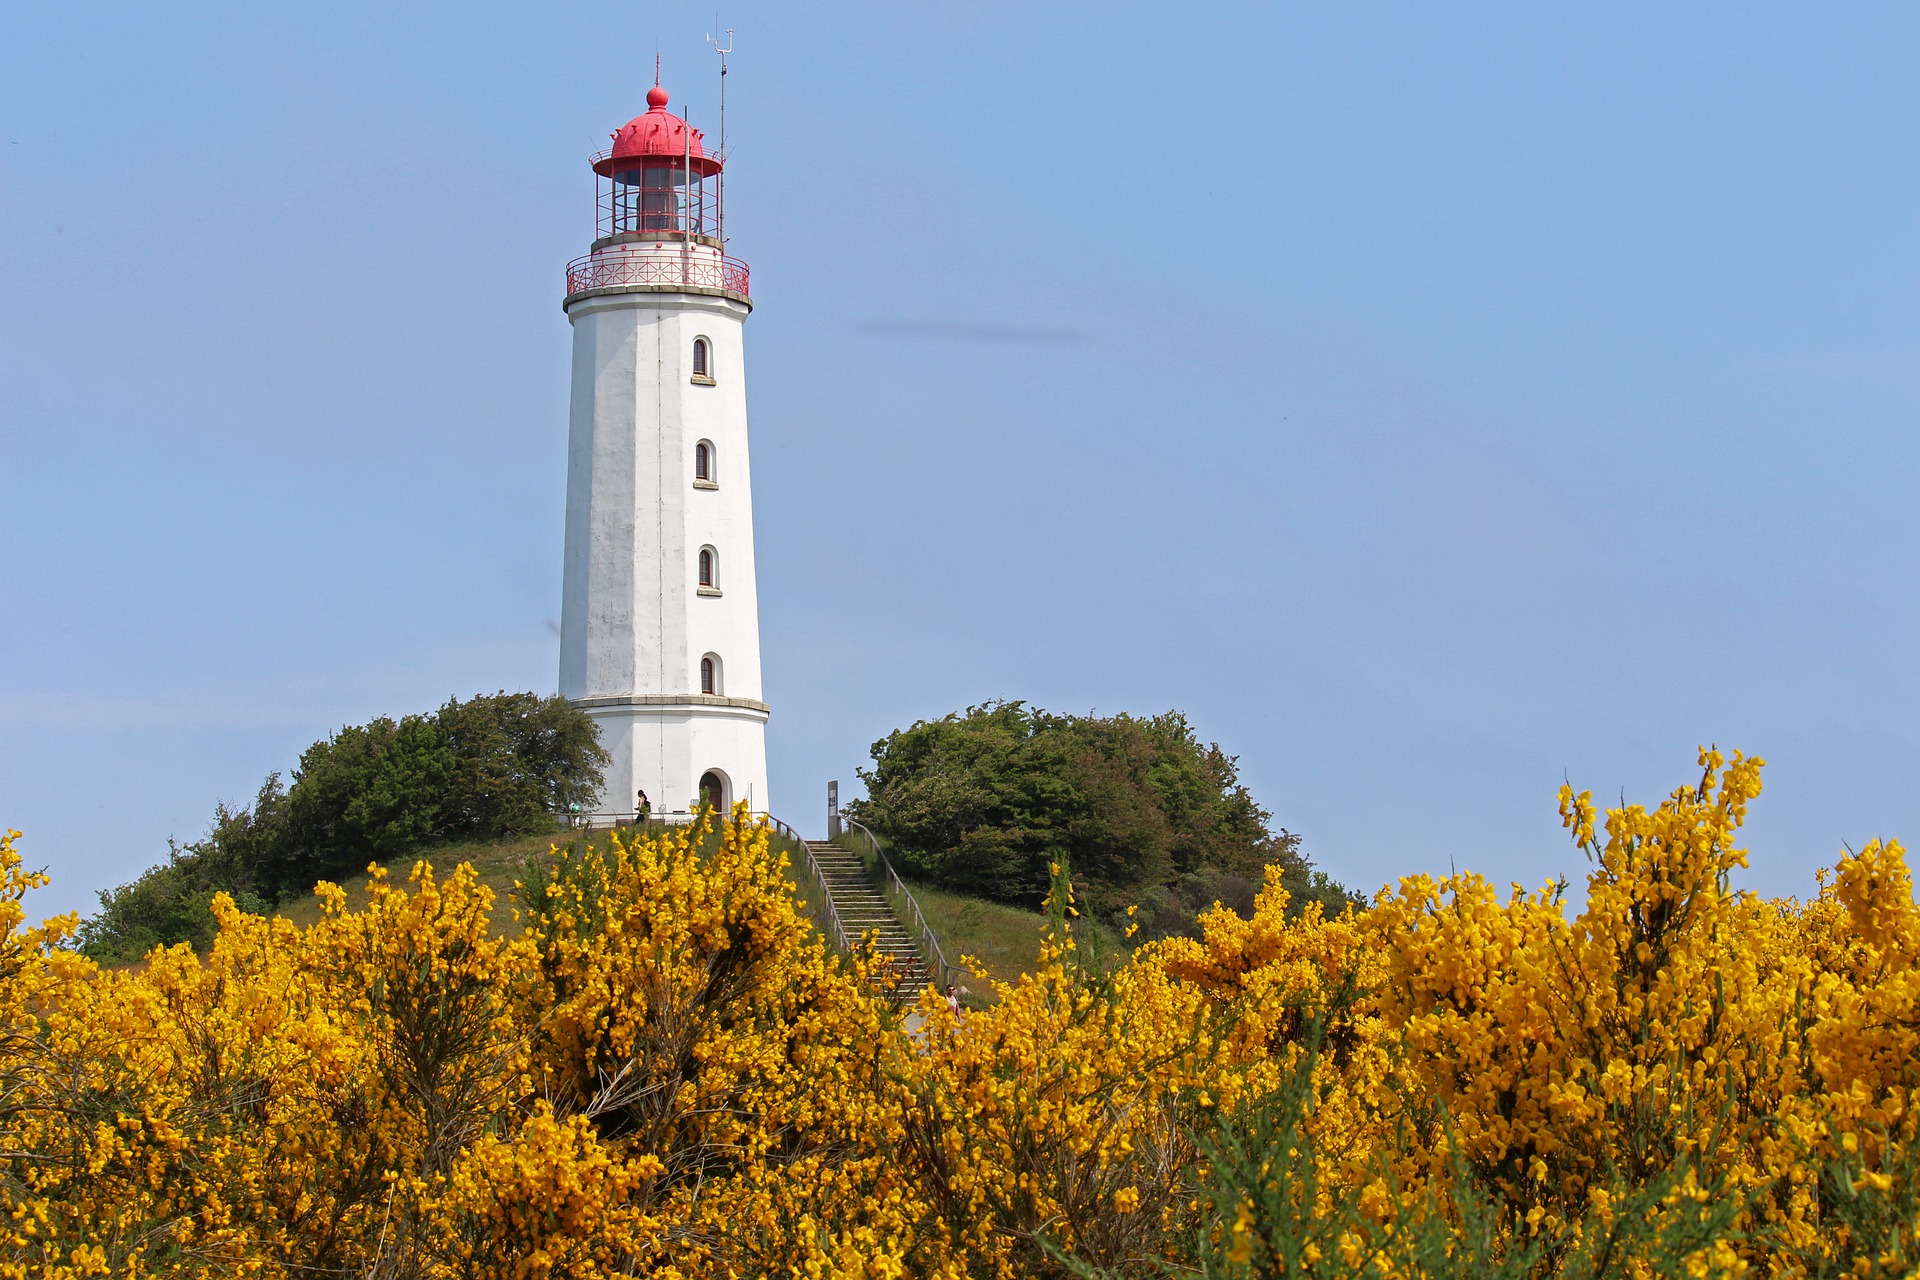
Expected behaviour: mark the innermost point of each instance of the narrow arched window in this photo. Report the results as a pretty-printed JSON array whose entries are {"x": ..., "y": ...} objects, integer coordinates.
[
  {"x": 707, "y": 567},
  {"x": 709, "y": 680},
  {"x": 703, "y": 461},
  {"x": 702, "y": 360}
]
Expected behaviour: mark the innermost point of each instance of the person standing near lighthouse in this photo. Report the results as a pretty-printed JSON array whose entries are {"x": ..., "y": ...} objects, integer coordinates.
[{"x": 660, "y": 628}]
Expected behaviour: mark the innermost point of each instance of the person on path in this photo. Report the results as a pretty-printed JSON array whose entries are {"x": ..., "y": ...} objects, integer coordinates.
[
  {"x": 953, "y": 1000},
  {"x": 642, "y": 807}
]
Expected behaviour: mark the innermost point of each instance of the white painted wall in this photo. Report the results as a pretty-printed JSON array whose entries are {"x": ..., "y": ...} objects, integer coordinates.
[
  {"x": 634, "y": 625},
  {"x": 666, "y": 748}
]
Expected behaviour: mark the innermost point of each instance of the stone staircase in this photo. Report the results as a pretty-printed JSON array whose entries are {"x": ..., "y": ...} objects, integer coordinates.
[{"x": 863, "y": 909}]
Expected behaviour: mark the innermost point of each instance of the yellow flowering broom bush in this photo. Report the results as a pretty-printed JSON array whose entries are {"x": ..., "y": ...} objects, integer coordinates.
[{"x": 664, "y": 1072}]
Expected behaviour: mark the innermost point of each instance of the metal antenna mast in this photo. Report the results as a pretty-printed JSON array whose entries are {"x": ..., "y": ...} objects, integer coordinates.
[{"x": 722, "y": 196}]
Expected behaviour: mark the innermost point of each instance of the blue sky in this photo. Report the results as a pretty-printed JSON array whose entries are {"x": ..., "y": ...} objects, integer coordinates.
[{"x": 1435, "y": 402}]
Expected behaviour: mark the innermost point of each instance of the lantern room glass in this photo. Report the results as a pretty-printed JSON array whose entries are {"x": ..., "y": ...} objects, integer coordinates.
[{"x": 658, "y": 198}]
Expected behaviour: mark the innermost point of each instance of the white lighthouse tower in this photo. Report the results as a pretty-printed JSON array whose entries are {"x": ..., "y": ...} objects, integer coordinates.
[{"x": 660, "y": 629}]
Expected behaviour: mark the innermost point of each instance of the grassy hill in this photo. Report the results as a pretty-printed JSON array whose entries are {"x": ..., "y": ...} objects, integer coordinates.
[
  {"x": 1004, "y": 940},
  {"x": 497, "y": 863}
]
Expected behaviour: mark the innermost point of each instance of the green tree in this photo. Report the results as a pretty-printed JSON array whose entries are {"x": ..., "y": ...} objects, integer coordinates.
[
  {"x": 520, "y": 761},
  {"x": 369, "y": 793},
  {"x": 986, "y": 801},
  {"x": 173, "y": 902},
  {"x": 491, "y": 767},
  {"x": 488, "y": 768}
]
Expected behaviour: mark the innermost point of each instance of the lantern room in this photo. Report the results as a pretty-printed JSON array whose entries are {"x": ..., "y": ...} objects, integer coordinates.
[{"x": 653, "y": 184}]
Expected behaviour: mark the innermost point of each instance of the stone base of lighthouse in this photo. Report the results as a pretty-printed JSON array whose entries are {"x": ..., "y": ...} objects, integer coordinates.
[{"x": 665, "y": 745}]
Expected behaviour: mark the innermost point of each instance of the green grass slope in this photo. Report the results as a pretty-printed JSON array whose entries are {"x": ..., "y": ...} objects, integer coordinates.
[
  {"x": 1004, "y": 940},
  {"x": 498, "y": 865}
]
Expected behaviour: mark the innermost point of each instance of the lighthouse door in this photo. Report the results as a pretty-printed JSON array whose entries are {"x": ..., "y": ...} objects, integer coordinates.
[{"x": 713, "y": 791}]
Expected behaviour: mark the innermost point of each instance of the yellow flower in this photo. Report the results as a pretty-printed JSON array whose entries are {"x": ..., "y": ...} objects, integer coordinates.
[{"x": 666, "y": 1072}]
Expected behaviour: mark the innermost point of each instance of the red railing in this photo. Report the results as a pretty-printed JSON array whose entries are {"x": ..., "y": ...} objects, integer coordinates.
[
  {"x": 711, "y": 152},
  {"x": 701, "y": 270}
]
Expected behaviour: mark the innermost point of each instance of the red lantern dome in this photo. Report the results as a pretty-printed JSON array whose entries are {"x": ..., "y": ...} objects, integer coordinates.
[
  {"x": 658, "y": 139},
  {"x": 659, "y": 211}
]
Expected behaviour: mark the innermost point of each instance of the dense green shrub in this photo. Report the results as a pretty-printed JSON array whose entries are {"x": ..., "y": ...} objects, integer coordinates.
[
  {"x": 488, "y": 768},
  {"x": 519, "y": 762},
  {"x": 172, "y": 902},
  {"x": 986, "y": 801}
]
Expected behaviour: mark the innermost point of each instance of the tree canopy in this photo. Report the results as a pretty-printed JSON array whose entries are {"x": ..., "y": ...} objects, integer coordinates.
[
  {"x": 487, "y": 768},
  {"x": 987, "y": 800}
]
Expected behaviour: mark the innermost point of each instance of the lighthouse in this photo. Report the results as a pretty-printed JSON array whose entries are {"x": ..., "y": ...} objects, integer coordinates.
[{"x": 660, "y": 629}]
